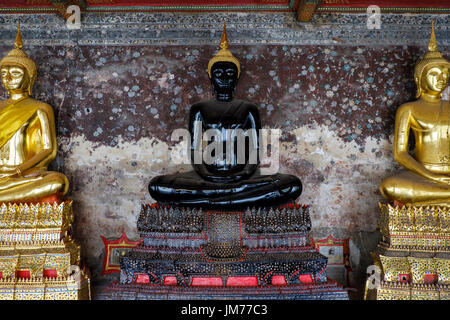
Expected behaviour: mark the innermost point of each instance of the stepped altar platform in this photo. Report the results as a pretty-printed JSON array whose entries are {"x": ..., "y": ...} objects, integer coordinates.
[
  {"x": 39, "y": 259},
  {"x": 258, "y": 253},
  {"x": 414, "y": 254}
]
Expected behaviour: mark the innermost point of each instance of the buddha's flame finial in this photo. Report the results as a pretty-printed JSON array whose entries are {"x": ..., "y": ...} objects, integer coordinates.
[
  {"x": 224, "y": 54},
  {"x": 224, "y": 41},
  {"x": 432, "y": 45},
  {"x": 18, "y": 44}
]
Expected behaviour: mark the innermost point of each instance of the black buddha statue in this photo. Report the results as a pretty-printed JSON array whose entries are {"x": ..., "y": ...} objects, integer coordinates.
[{"x": 229, "y": 179}]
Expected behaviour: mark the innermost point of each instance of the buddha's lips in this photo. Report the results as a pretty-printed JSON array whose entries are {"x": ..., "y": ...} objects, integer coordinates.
[{"x": 224, "y": 83}]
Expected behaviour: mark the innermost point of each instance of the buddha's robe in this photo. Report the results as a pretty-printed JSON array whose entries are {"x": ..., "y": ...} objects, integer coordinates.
[{"x": 28, "y": 142}]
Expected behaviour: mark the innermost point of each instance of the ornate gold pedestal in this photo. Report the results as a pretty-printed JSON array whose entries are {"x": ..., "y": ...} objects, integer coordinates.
[
  {"x": 414, "y": 254},
  {"x": 39, "y": 260}
]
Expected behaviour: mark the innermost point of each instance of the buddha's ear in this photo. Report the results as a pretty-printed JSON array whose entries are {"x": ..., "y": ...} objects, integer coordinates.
[
  {"x": 235, "y": 86},
  {"x": 419, "y": 92},
  {"x": 212, "y": 85},
  {"x": 30, "y": 84},
  {"x": 419, "y": 88}
]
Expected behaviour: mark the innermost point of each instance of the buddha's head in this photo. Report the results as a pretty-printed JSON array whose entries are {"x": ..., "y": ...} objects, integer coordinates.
[
  {"x": 431, "y": 73},
  {"x": 224, "y": 69},
  {"x": 17, "y": 70}
]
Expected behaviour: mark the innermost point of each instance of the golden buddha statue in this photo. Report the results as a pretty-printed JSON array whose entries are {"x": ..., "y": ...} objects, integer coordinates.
[
  {"x": 27, "y": 135},
  {"x": 39, "y": 259},
  {"x": 427, "y": 180}
]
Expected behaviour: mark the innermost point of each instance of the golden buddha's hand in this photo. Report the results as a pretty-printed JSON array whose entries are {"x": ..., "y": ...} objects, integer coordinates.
[
  {"x": 4, "y": 175},
  {"x": 440, "y": 178},
  {"x": 7, "y": 171}
]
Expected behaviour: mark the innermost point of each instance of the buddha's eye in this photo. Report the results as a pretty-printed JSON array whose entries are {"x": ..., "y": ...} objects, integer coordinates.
[
  {"x": 231, "y": 72},
  {"x": 217, "y": 73}
]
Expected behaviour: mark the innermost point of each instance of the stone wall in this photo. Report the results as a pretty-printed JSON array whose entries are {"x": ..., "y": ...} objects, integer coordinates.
[{"x": 123, "y": 83}]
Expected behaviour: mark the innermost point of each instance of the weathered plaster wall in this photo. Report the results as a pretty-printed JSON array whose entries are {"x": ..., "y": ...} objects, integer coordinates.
[{"x": 123, "y": 85}]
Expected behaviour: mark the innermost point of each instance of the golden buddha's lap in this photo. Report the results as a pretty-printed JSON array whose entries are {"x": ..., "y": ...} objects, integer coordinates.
[
  {"x": 408, "y": 187},
  {"x": 33, "y": 186}
]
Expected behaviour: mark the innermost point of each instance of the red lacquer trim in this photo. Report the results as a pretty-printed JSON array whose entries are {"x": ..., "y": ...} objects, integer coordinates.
[
  {"x": 50, "y": 273},
  {"x": 279, "y": 280},
  {"x": 23, "y": 274},
  {"x": 430, "y": 278},
  {"x": 170, "y": 281},
  {"x": 242, "y": 282},
  {"x": 306, "y": 278},
  {"x": 142, "y": 278},
  {"x": 206, "y": 282}
]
